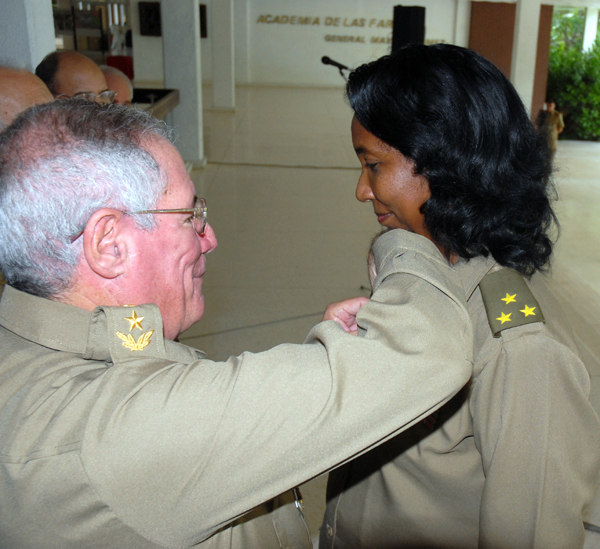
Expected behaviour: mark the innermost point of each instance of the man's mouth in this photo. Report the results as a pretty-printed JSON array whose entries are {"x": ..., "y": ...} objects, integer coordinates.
[{"x": 200, "y": 268}]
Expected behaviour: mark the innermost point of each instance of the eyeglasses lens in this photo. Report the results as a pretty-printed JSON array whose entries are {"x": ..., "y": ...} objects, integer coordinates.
[
  {"x": 106, "y": 97},
  {"x": 103, "y": 98},
  {"x": 200, "y": 216}
]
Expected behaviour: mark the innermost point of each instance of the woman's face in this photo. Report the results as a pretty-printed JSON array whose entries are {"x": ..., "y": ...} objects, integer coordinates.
[{"x": 389, "y": 182}]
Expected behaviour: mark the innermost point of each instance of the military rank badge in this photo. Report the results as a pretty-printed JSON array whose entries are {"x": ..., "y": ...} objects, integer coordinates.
[
  {"x": 129, "y": 342},
  {"x": 508, "y": 301}
]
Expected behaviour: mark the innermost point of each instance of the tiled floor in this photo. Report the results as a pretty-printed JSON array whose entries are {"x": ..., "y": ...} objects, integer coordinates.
[{"x": 280, "y": 187}]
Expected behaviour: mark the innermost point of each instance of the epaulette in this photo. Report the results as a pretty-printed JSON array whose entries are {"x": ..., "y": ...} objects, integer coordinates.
[
  {"x": 134, "y": 331},
  {"x": 508, "y": 301}
]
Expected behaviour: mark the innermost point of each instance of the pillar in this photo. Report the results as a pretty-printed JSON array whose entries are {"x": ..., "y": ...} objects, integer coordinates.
[
  {"x": 591, "y": 26},
  {"x": 223, "y": 77},
  {"x": 462, "y": 23},
  {"x": 181, "y": 53},
  {"x": 522, "y": 74},
  {"x": 242, "y": 41},
  {"x": 27, "y": 31}
]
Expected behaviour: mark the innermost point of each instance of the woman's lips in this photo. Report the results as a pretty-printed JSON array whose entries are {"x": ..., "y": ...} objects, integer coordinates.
[{"x": 382, "y": 217}]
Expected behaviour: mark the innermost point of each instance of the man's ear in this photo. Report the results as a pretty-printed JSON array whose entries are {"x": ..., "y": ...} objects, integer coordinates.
[{"x": 105, "y": 243}]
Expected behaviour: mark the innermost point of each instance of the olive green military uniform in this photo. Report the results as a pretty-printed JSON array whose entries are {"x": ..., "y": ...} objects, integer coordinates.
[
  {"x": 111, "y": 436},
  {"x": 509, "y": 463}
]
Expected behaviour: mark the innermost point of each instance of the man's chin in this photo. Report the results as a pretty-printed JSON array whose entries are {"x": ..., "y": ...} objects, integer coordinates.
[{"x": 194, "y": 313}]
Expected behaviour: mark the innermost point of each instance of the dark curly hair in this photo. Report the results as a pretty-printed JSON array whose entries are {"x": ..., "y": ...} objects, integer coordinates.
[{"x": 461, "y": 122}]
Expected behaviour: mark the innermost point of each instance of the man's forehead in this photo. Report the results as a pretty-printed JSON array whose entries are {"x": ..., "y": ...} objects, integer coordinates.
[
  {"x": 117, "y": 81},
  {"x": 171, "y": 164},
  {"x": 80, "y": 74}
]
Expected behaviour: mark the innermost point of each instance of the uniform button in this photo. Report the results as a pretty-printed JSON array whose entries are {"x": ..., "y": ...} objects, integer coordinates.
[{"x": 329, "y": 531}]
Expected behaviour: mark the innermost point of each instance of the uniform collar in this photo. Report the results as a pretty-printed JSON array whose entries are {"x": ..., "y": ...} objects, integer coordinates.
[
  {"x": 106, "y": 333},
  {"x": 471, "y": 271}
]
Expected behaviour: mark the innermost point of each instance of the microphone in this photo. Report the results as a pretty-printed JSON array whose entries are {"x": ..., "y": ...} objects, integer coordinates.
[{"x": 327, "y": 61}]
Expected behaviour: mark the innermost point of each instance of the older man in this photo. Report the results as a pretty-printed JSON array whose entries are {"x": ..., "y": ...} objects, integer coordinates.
[
  {"x": 114, "y": 435},
  {"x": 71, "y": 74},
  {"x": 118, "y": 82},
  {"x": 19, "y": 90}
]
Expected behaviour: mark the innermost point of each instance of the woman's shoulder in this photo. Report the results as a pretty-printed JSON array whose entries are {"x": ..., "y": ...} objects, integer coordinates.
[{"x": 506, "y": 308}]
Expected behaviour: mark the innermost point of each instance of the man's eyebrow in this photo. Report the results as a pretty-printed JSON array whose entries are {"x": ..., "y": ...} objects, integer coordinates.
[
  {"x": 193, "y": 204},
  {"x": 360, "y": 150}
]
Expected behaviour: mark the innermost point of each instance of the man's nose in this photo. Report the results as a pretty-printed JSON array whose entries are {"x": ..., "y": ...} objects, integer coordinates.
[{"x": 208, "y": 239}]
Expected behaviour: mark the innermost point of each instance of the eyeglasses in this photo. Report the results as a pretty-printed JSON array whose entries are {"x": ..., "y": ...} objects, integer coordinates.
[
  {"x": 105, "y": 97},
  {"x": 197, "y": 216}
]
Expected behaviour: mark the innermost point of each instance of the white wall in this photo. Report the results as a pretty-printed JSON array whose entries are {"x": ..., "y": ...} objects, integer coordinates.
[
  {"x": 273, "y": 48},
  {"x": 283, "y": 51}
]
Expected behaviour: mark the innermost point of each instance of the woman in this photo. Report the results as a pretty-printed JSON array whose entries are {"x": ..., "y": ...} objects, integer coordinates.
[{"x": 448, "y": 152}]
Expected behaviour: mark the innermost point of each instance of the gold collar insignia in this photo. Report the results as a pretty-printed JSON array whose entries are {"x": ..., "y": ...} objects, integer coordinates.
[{"x": 129, "y": 342}]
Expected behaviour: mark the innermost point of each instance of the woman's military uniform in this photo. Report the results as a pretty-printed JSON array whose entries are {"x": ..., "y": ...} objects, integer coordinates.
[{"x": 509, "y": 463}]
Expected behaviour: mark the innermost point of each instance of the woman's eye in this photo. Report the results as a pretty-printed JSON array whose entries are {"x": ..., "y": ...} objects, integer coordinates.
[{"x": 371, "y": 166}]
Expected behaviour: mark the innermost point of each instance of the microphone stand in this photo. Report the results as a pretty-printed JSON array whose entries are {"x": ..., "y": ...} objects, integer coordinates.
[{"x": 327, "y": 61}]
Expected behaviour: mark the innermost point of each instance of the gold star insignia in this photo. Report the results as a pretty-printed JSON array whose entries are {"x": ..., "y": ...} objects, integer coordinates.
[
  {"x": 504, "y": 317},
  {"x": 509, "y": 298},
  {"x": 528, "y": 311},
  {"x": 135, "y": 321}
]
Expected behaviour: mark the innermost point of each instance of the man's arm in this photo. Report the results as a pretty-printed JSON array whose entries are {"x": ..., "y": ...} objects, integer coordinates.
[
  {"x": 344, "y": 313},
  {"x": 220, "y": 438}
]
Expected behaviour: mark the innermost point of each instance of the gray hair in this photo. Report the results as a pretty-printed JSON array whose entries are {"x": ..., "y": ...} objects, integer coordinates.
[{"x": 59, "y": 163}]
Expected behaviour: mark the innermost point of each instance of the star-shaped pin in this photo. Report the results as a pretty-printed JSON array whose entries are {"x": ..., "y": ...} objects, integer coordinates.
[
  {"x": 504, "y": 318},
  {"x": 528, "y": 311},
  {"x": 135, "y": 321},
  {"x": 509, "y": 298}
]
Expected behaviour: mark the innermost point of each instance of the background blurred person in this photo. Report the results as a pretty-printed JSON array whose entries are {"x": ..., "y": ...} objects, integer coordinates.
[
  {"x": 118, "y": 82},
  {"x": 71, "y": 74},
  {"x": 554, "y": 123},
  {"x": 19, "y": 90}
]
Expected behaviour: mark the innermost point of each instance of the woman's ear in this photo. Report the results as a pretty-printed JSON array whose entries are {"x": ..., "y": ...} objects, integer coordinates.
[{"x": 105, "y": 243}]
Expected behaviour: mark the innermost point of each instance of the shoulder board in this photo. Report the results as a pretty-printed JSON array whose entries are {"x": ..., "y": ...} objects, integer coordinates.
[{"x": 508, "y": 301}]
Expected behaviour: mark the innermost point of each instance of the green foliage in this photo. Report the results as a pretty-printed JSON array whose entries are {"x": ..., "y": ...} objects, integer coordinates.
[
  {"x": 567, "y": 27},
  {"x": 574, "y": 77}
]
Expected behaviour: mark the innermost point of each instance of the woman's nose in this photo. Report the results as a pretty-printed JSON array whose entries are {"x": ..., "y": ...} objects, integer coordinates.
[{"x": 363, "y": 190}]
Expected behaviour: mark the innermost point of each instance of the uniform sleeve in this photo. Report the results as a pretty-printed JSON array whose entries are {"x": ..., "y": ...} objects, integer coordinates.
[
  {"x": 539, "y": 441},
  {"x": 179, "y": 450}
]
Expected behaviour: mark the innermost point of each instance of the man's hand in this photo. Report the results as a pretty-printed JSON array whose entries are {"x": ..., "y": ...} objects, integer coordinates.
[{"x": 344, "y": 313}]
